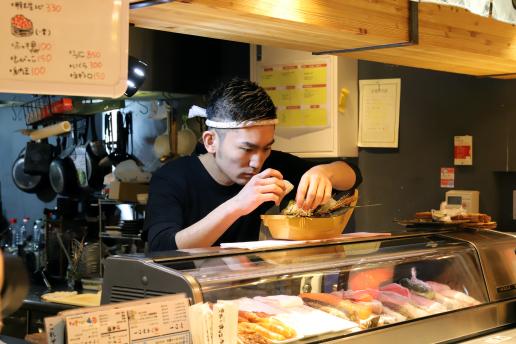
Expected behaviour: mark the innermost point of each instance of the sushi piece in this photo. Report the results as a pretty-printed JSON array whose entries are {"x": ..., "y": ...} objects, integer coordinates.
[
  {"x": 371, "y": 322},
  {"x": 391, "y": 317},
  {"x": 417, "y": 286}
]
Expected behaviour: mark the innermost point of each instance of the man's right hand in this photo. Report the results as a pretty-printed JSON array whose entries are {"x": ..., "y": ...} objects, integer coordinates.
[{"x": 265, "y": 186}]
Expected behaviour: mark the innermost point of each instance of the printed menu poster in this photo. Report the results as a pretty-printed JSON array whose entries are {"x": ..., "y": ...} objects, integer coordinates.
[
  {"x": 64, "y": 47},
  {"x": 300, "y": 92},
  {"x": 379, "y": 112}
]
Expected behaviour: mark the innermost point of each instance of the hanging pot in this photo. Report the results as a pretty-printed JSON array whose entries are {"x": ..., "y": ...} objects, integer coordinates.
[
  {"x": 186, "y": 140},
  {"x": 23, "y": 181}
]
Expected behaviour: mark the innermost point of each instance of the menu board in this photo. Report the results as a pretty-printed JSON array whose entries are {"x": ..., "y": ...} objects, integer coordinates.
[
  {"x": 299, "y": 91},
  {"x": 156, "y": 320},
  {"x": 64, "y": 47}
]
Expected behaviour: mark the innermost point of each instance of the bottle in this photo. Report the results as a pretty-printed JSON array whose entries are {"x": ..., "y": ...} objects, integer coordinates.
[
  {"x": 36, "y": 234},
  {"x": 22, "y": 232},
  {"x": 13, "y": 230}
]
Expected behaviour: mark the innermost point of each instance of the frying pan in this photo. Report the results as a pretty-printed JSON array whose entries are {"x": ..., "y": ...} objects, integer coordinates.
[
  {"x": 62, "y": 174},
  {"x": 95, "y": 152},
  {"x": 23, "y": 181}
]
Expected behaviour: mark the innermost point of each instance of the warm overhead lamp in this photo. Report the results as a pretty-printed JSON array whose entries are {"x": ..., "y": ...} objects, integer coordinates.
[{"x": 135, "y": 75}]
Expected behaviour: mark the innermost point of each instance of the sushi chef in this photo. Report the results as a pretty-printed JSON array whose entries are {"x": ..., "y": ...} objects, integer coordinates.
[{"x": 202, "y": 201}]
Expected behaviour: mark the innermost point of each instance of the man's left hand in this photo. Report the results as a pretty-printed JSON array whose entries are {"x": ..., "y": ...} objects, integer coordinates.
[{"x": 313, "y": 189}]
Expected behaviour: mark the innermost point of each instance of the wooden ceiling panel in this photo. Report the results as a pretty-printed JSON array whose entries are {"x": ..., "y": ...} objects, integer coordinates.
[{"x": 450, "y": 39}]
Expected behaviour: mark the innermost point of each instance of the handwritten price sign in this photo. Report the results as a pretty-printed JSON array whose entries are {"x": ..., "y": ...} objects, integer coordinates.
[{"x": 52, "y": 49}]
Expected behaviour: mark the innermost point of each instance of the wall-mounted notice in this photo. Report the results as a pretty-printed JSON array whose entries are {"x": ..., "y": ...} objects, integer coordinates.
[
  {"x": 447, "y": 177},
  {"x": 300, "y": 92},
  {"x": 379, "y": 113},
  {"x": 64, "y": 47}
]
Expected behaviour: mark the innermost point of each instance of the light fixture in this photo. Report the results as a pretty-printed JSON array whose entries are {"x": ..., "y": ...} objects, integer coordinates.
[{"x": 135, "y": 76}]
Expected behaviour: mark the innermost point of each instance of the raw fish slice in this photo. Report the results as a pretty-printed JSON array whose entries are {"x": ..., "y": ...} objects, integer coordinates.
[
  {"x": 353, "y": 310},
  {"x": 448, "y": 302},
  {"x": 328, "y": 309},
  {"x": 461, "y": 297},
  {"x": 401, "y": 304},
  {"x": 417, "y": 286},
  {"x": 438, "y": 287},
  {"x": 395, "y": 287},
  {"x": 390, "y": 317},
  {"x": 428, "y": 305},
  {"x": 357, "y": 295},
  {"x": 331, "y": 310}
]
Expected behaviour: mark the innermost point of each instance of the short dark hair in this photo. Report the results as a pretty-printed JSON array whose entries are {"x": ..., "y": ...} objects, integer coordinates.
[{"x": 240, "y": 100}]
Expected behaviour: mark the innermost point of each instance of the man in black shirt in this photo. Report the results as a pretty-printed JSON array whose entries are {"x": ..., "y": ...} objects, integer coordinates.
[{"x": 201, "y": 201}]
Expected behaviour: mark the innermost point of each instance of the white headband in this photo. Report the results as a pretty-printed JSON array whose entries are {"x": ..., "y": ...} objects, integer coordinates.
[{"x": 197, "y": 111}]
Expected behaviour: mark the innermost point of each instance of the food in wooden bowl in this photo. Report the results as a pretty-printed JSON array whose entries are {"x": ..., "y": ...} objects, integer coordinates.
[{"x": 326, "y": 221}]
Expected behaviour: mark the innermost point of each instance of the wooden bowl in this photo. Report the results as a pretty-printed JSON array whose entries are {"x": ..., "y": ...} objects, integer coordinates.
[{"x": 305, "y": 228}]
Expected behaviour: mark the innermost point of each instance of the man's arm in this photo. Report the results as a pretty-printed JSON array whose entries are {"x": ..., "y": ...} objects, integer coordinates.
[
  {"x": 317, "y": 183},
  {"x": 263, "y": 187}
]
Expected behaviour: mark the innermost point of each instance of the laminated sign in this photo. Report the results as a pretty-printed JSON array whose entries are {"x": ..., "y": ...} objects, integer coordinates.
[{"x": 463, "y": 150}]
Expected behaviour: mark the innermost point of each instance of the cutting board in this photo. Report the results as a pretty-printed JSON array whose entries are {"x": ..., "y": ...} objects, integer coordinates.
[{"x": 85, "y": 300}]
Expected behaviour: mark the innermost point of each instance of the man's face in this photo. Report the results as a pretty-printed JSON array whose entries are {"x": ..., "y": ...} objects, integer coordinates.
[{"x": 241, "y": 152}]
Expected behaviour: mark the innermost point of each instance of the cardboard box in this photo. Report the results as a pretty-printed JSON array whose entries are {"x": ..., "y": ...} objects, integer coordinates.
[{"x": 126, "y": 192}]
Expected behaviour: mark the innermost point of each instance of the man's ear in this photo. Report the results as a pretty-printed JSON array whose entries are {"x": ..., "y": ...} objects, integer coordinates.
[{"x": 210, "y": 140}]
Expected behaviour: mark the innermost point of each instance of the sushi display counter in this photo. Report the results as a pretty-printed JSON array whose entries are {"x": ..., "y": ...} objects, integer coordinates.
[{"x": 424, "y": 287}]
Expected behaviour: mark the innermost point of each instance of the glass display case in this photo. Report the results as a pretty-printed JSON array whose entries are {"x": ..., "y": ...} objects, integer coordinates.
[{"x": 410, "y": 284}]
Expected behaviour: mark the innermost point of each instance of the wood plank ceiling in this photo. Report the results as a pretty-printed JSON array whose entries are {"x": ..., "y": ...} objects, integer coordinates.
[{"x": 450, "y": 39}]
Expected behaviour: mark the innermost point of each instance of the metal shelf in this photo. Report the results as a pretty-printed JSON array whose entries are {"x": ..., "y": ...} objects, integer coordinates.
[{"x": 120, "y": 236}]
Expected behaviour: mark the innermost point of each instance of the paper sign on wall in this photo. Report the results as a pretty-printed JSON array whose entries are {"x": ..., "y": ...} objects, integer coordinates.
[
  {"x": 379, "y": 113},
  {"x": 64, "y": 47},
  {"x": 447, "y": 177},
  {"x": 463, "y": 150}
]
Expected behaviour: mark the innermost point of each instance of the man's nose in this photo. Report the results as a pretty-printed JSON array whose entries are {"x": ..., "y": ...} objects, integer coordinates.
[{"x": 257, "y": 160}]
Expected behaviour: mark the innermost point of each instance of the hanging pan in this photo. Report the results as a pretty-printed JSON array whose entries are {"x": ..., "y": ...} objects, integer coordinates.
[
  {"x": 62, "y": 174},
  {"x": 23, "y": 181}
]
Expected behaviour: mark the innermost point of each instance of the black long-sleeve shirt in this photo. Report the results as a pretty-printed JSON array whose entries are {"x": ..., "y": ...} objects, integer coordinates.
[{"x": 182, "y": 192}]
